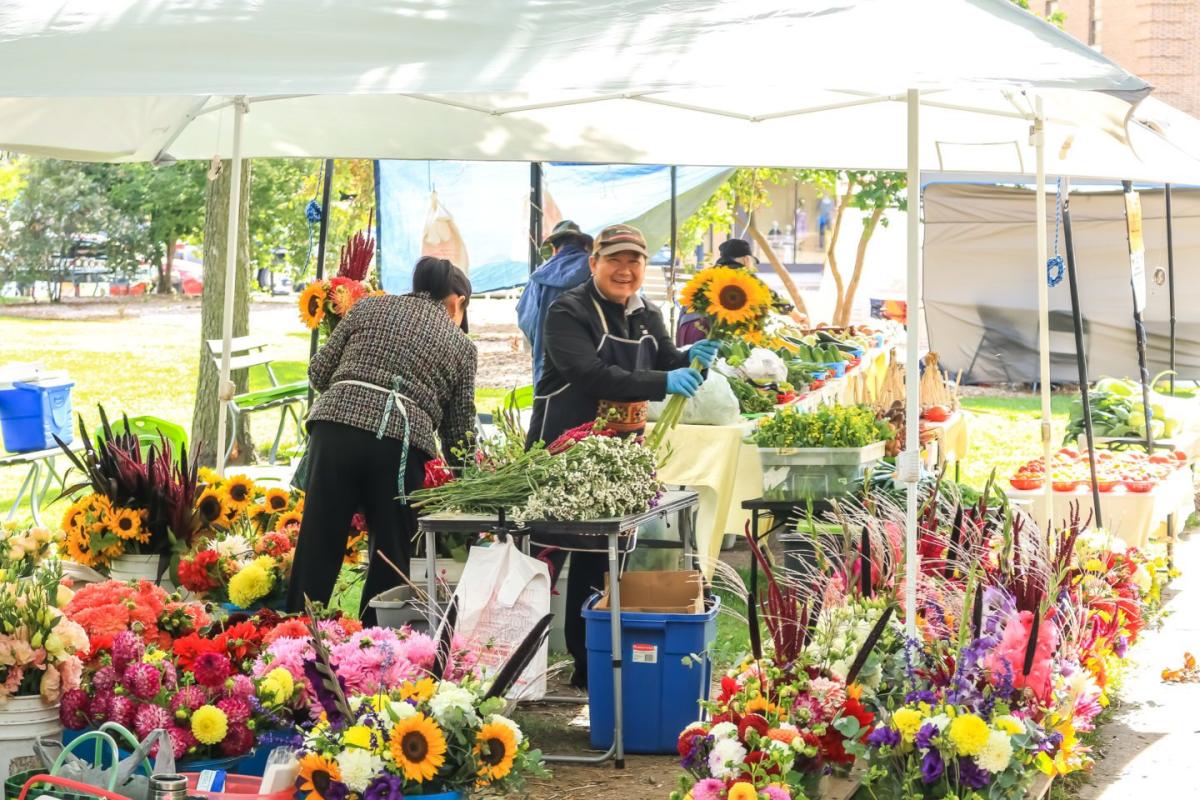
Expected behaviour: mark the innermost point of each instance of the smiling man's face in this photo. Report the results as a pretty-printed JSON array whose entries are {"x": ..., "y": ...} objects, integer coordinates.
[{"x": 619, "y": 275}]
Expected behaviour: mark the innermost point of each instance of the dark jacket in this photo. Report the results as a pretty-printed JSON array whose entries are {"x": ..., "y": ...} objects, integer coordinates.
[
  {"x": 573, "y": 333},
  {"x": 406, "y": 336},
  {"x": 565, "y": 270}
]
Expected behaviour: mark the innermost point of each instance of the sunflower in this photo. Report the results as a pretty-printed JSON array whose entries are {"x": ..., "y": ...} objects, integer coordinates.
[
  {"x": 124, "y": 522},
  {"x": 74, "y": 516},
  {"x": 418, "y": 747},
  {"x": 312, "y": 304},
  {"x": 495, "y": 750},
  {"x": 316, "y": 773},
  {"x": 420, "y": 691},
  {"x": 276, "y": 501},
  {"x": 694, "y": 287},
  {"x": 240, "y": 491},
  {"x": 287, "y": 518},
  {"x": 208, "y": 476},
  {"x": 212, "y": 505},
  {"x": 735, "y": 297},
  {"x": 353, "y": 547},
  {"x": 79, "y": 547}
]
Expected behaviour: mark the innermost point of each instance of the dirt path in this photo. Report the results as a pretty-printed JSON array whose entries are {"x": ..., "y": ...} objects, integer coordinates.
[{"x": 1152, "y": 748}]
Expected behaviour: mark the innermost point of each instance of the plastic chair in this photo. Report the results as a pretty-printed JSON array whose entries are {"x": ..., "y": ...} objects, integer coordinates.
[
  {"x": 290, "y": 398},
  {"x": 520, "y": 398},
  {"x": 147, "y": 430}
]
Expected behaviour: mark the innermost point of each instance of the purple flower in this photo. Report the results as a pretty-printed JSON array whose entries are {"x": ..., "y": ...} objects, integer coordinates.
[
  {"x": 971, "y": 775},
  {"x": 336, "y": 791},
  {"x": 883, "y": 737},
  {"x": 385, "y": 787},
  {"x": 1121, "y": 645},
  {"x": 922, "y": 696},
  {"x": 931, "y": 767},
  {"x": 926, "y": 735}
]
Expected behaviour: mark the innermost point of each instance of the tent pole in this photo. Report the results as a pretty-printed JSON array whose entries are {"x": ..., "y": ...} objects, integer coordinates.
[
  {"x": 1171, "y": 281},
  {"x": 1080, "y": 352},
  {"x": 322, "y": 234},
  {"x": 912, "y": 379},
  {"x": 224, "y": 385},
  {"x": 535, "y": 215},
  {"x": 1139, "y": 329},
  {"x": 1039, "y": 138},
  {"x": 674, "y": 244}
]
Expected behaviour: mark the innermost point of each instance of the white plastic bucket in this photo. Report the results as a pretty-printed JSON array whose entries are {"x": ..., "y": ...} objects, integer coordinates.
[
  {"x": 138, "y": 568},
  {"x": 22, "y": 720}
]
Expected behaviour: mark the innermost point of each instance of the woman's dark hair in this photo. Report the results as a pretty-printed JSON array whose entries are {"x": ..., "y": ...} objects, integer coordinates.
[{"x": 439, "y": 279}]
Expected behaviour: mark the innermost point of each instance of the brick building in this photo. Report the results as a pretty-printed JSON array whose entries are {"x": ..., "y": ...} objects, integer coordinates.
[{"x": 1157, "y": 40}]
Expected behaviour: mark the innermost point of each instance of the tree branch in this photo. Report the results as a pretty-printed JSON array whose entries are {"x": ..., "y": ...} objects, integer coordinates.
[
  {"x": 843, "y": 316},
  {"x": 780, "y": 270},
  {"x": 831, "y": 250}
]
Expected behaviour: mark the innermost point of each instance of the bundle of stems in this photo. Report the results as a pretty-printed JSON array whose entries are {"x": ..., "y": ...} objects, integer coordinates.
[
  {"x": 486, "y": 491},
  {"x": 671, "y": 414}
]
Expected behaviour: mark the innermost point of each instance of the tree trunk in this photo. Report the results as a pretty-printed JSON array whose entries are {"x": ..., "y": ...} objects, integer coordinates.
[
  {"x": 780, "y": 269},
  {"x": 860, "y": 258},
  {"x": 831, "y": 252},
  {"x": 216, "y": 219},
  {"x": 164, "y": 270}
]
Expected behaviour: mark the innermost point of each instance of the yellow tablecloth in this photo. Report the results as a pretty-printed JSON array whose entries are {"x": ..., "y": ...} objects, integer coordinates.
[
  {"x": 1135, "y": 517},
  {"x": 953, "y": 437}
]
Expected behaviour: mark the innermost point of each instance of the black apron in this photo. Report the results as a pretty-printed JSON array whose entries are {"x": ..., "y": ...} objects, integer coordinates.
[{"x": 572, "y": 406}]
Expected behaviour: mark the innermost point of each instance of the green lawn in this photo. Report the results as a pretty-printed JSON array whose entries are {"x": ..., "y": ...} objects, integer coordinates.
[{"x": 1005, "y": 433}]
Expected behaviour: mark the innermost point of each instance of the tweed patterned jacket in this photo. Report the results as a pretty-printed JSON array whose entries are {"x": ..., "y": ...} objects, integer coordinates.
[{"x": 409, "y": 337}]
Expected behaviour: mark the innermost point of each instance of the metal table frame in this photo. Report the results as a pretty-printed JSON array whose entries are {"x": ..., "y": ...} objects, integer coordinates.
[
  {"x": 781, "y": 513},
  {"x": 37, "y": 460},
  {"x": 612, "y": 529}
]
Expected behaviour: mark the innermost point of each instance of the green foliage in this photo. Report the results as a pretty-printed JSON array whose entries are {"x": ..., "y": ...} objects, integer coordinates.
[
  {"x": 828, "y": 426},
  {"x": 157, "y": 207},
  {"x": 1058, "y": 19}
]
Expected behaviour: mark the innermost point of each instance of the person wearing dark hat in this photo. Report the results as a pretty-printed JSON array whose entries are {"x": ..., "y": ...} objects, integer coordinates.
[
  {"x": 608, "y": 352},
  {"x": 565, "y": 268}
]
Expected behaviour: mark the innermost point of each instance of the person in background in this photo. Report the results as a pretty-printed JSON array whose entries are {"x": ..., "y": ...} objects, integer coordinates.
[
  {"x": 566, "y": 268},
  {"x": 607, "y": 353},
  {"x": 396, "y": 372}
]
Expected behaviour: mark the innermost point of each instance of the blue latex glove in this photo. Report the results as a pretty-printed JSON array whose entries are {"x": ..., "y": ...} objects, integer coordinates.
[
  {"x": 705, "y": 351},
  {"x": 684, "y": 381}
]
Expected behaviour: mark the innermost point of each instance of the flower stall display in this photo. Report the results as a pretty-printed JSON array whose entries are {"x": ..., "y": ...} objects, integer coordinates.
[
  {"x": 419, "y": 738},
  {"x": 131, "y": 502},
  {"x": 107, "y": 609},
  {"x": 324, "y": 302},
  {"x": 587, "y": 473},
  {"x": 733, "y": 303},
  {"x": 40, "y": 646}
]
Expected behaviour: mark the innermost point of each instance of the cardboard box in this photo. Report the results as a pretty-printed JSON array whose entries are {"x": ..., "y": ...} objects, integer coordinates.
[{"x": 659, "y": 592}]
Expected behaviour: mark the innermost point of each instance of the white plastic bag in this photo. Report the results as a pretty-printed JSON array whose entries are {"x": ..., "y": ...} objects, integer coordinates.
[
  {"x": 764, "y": 366},
  {"x": 502, "y": 594},
  {"x": 714, "y": 404}
]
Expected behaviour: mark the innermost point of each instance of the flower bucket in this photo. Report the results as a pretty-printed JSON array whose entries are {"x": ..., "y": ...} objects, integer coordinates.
[
  {"x": 812, "y": 473},
  {"x": 81, "y": 575},
  {"x": 87, "y": 751},
  {"x": 22, "y": 720},
  {"x": 139, "y": 568},
  {"x": 255, "y": 764}
]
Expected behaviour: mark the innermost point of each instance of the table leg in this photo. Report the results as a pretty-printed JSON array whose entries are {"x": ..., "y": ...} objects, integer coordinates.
[
  {"x": 614, "y": 592},
  {"x": 29, "y": 484},
  {"x": 687, "y": 533},
  {"x": 431, "y": 580}
]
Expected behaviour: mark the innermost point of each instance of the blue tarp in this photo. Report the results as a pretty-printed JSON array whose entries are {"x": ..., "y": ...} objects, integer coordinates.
[{"x": 489, "y": 202}]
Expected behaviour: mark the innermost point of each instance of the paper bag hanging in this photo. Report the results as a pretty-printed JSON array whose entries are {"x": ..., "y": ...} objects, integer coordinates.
[{"x": 441, "y": 237}]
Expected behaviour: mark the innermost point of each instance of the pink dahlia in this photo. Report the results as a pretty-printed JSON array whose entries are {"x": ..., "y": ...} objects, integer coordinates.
[
  {"x": 237, "y": 741},
  {"x": 73, "y": 711},
  {"x": 149, "y": 718},
  {"x": 182, "y": 740},
  {"x": 126, "y": 649},
  {"x": 239, "y": 686},
  {"x": 236, "y": 709},
  {"x": 188, "y": 699},
  {"x": 98, "y": 707},
  {"x": 143, "y": 680},
  {"x": 121, "y": 710},
  {"x": 169, "y": 676},
  {"x": 211, "y": 669},
  {"x": 105, "y": 678}
]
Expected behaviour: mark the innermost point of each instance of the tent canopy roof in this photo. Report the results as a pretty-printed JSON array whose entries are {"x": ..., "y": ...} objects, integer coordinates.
[{"x": 807, "y": 83}]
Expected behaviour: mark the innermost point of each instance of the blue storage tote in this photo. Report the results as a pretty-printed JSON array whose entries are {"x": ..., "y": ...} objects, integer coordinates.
[
  {"x": 661, "y": 695},
  {"x": 33, "y": 413}
]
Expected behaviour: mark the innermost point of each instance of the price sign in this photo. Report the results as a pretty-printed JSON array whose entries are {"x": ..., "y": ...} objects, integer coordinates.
[{"x": 1137, "y": 249}]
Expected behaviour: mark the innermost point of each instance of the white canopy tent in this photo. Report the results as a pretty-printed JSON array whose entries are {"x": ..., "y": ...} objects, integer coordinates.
[{"x": 628, "y": 81}]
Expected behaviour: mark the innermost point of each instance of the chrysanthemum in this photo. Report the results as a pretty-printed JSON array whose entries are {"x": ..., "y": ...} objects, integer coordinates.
[
  {"x": 997, "y": 753},
  {"x": 735, "y": 297},
  {"x": 418, "y": 747},
  {"x": 495, "y": 750},
  {"x": 316, "y": 773},
  {"x": 312, "y": 304},
  {"x": 251, "y": 584},
  {"x": 969, "y": 734},
  {"x": 209, "y": 724}
]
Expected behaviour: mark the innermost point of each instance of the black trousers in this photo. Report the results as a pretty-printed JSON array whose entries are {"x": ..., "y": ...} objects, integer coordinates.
[
  {"x": 586, "y": 578},
  {"x": 351, "y": 470}
]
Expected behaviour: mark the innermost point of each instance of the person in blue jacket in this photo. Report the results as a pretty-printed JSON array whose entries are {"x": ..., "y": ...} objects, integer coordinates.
[{"x": 566, "y": 268}]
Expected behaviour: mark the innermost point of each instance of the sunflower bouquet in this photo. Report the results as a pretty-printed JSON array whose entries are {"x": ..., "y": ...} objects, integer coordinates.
[
  {"x": 420, "y": 738},
  {"x": 324, "y": 302},
  {"x": 733, "y": 303}
]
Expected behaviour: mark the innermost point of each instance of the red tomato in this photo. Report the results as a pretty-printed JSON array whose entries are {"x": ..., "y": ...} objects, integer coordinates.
[{"x": 937, "y": 414}]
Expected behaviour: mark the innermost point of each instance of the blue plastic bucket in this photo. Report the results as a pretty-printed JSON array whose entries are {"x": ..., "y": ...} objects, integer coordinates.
[
  {"x": 32, "y": 414},
  {"x": 661, "y": 695},
  {"x": 839, "y": 368}
]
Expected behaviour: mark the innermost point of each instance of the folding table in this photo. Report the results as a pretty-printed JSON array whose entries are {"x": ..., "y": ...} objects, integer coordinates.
[
  {"x": 616, "y": 536},
  {"x": 36, "y": 460}
]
